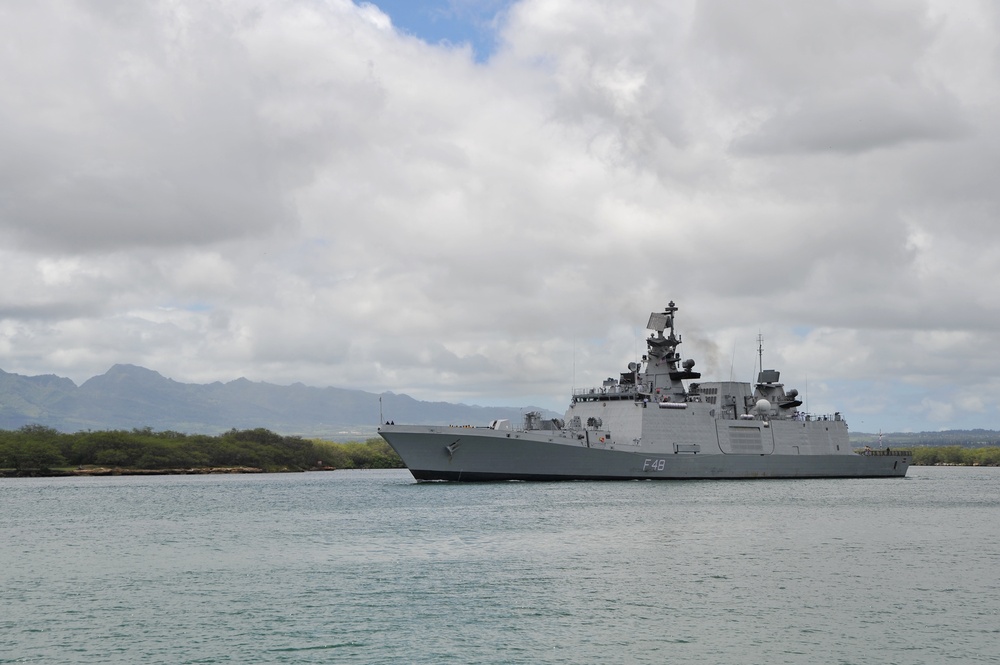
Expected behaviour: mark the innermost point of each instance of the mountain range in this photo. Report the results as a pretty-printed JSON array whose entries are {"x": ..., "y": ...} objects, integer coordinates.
[{"x": 130, "y": 397}]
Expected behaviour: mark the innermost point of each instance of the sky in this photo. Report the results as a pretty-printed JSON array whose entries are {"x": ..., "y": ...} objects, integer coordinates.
[{"x": 482, "y": 202}]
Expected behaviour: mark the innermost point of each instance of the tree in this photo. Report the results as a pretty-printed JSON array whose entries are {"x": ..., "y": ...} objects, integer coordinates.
[{"x": 33, "y": 447}]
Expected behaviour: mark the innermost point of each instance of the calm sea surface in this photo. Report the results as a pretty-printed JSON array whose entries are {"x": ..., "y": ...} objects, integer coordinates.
[{"x": 370, "y": 567}]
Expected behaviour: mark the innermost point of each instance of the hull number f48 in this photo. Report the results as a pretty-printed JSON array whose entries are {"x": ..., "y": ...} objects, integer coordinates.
[{"x": 653, "y": 464}]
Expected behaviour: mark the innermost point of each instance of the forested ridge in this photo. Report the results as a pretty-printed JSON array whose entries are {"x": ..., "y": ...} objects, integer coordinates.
[{"x": 37, "y": 449}]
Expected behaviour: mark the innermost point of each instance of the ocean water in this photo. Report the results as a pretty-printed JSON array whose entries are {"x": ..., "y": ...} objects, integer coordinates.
[{"x": 371, "y": 567}]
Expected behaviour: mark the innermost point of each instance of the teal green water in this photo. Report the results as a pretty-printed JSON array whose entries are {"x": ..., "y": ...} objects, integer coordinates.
[{"x": 370, "y": 567}]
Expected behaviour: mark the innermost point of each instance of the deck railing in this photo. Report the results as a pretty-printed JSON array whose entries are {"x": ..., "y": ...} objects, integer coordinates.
[{"x": 886, "y": 452}]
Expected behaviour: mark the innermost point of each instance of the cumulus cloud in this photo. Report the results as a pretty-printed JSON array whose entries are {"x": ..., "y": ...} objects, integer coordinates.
[{"x": 301, "y": 191}]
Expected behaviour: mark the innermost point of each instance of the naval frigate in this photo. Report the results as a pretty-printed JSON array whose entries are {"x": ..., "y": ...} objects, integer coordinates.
[{"x": 658, "y": 420}]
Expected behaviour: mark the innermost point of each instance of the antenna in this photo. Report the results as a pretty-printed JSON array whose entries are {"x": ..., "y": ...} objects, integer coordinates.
[
  {"x": 760, "y": 354},
  {"x": 760, "y": 349}
]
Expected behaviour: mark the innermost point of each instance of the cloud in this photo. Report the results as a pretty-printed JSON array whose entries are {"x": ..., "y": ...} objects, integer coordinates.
[
  {"x": 304, "y": 191},
  {"x": 868, "y": 116}
]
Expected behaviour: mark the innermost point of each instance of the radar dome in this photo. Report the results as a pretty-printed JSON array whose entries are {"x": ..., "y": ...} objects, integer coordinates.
[{"x": 763, "y": 406}]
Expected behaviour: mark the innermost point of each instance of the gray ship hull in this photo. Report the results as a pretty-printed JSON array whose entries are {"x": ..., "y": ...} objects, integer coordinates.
[{"x": 480, "y": 454}]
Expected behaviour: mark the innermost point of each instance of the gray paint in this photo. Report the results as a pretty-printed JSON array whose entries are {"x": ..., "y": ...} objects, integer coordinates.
[{"x": 652, "y": 426}]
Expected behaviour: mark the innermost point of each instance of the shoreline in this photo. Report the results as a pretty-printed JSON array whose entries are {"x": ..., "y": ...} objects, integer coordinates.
[
  {"x": 101, "y": 471},
  {"x": 98, "y": 471}
]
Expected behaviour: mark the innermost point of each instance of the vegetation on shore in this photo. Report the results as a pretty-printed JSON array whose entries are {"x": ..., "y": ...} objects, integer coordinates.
[
  {"x": 956, "y": 456},
  {"x": 966, "y": 438},
  {"x": 39, "y": 450}
]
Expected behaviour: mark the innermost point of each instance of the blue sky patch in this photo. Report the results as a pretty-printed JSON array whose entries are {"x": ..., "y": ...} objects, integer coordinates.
[{"x": 448, "y": 21}]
